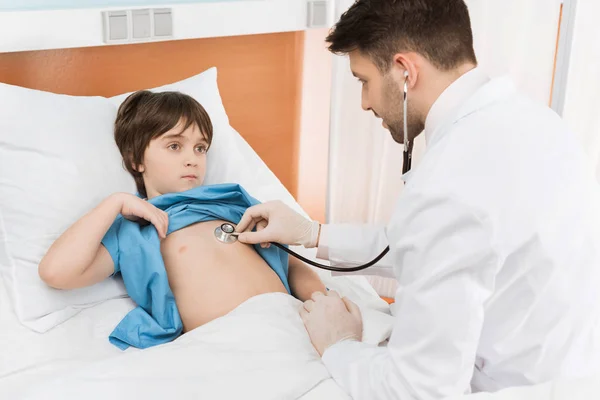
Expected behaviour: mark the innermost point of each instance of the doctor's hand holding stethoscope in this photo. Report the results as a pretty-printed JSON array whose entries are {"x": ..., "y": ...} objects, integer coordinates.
[{"x": 329, "y": 318}]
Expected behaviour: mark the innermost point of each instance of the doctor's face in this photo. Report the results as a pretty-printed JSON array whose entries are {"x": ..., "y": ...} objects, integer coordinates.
[{"x": 383, "y": 95}]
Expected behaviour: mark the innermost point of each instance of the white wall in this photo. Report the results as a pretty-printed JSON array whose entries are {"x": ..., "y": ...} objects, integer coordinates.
[
  {"x": 63, "y": 4},
  {"x": 53, "y": 29}
]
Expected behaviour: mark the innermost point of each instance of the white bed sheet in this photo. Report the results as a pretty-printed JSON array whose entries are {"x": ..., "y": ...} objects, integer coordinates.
[{"x": 78, "y": 354}]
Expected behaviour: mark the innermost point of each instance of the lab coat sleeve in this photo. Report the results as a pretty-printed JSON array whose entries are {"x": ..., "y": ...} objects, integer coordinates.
[
  {"x": 446, "y": 268},
  {"x": 352, "y": 245}
]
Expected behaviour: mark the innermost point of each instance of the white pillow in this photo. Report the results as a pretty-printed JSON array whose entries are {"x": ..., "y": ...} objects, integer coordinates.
[{"x": 56, "y": 153}]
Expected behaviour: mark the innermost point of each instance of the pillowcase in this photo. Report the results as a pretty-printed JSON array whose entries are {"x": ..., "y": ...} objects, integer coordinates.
[{"x": 58, "y": 160}]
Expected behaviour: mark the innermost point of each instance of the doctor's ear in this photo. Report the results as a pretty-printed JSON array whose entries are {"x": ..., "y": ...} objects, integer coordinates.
[{"x": 407, "y": 64}]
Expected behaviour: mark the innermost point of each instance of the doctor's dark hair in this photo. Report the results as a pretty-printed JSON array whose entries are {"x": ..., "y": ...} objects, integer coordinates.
[
  {"x": 146, "y": 115},
  {"x": 439, "y": 30}
]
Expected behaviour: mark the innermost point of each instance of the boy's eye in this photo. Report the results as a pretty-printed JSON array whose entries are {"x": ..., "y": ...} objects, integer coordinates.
[
  {"x": 201, "y": 149},
  {"x": 174, "y": 146}
]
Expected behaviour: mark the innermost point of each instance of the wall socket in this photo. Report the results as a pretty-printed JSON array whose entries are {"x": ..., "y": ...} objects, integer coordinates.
[{"x": 137, "y": 25}]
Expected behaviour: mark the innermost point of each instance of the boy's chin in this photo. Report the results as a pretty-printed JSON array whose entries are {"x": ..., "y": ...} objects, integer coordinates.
[{"x": 189, "y": 186}]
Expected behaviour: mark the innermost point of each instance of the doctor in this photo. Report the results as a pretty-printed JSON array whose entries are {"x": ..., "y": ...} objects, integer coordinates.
[{"x": 495, "y": 240}]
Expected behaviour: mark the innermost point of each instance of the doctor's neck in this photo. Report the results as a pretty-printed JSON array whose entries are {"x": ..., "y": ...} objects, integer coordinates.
[{"x": 431, "y": 84}]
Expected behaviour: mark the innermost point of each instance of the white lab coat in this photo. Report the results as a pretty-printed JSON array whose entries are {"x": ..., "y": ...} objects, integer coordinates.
[{"x": 495, "y": 243}]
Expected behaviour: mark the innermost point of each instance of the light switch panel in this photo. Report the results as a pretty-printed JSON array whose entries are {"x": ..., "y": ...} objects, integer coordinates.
[
  {"x": 163, "y": 22},
  {"x": 117, "y": 25},
  {"x": 137, "y": 25},
  {"x": 141, "y": 24}
]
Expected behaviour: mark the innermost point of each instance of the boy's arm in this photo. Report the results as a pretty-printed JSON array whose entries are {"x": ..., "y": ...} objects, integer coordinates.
[
  {"x": 77, "y": 258},
  {"x": 303, "y": 280}
]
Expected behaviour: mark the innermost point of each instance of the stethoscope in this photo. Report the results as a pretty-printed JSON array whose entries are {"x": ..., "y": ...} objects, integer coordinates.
[
  {"x": 225, "y": 233},
  {"x": 408, "y": 144}
]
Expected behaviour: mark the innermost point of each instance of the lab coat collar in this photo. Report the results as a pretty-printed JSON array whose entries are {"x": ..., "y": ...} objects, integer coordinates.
[
  {"x": 471, "y": 92},
  {"x": 451, "y": 101}
]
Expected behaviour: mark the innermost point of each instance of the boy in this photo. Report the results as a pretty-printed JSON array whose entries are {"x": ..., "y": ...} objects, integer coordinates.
[{"x": 164, "y": 138}]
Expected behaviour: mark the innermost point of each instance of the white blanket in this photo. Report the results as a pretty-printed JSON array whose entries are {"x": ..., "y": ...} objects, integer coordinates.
[{"x": 260, "y": 350}]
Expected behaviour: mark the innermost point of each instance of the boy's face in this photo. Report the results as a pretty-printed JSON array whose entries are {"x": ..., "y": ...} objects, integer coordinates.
[{"x": 175, "y": 161}]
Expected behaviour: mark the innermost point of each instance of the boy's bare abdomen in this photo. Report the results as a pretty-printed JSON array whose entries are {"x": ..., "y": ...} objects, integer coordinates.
[{"x": 210, "y": 278}]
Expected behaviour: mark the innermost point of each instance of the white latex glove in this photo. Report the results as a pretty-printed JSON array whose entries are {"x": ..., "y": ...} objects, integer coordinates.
[
  {"x": 330, "y": 319},
  {"x": 276, "y": 222}
]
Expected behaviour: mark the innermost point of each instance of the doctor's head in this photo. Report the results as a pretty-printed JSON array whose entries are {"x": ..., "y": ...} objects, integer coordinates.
[
  {"x": 163, "y": 139},
  {"x": 430, "y": 40}
]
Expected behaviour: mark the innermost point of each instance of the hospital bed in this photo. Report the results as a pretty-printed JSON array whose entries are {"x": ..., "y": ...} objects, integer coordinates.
[
  {"x": 58, "y": 158},
  {"x": 55, "y": 345}
]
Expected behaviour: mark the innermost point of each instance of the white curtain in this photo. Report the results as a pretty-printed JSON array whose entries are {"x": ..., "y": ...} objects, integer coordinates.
[
  {"x": 515, "y": 37},
  {"x": 582, "y": 100},
  {"x": 518, "y": 38},
  {"x": 365, "y": 164}
]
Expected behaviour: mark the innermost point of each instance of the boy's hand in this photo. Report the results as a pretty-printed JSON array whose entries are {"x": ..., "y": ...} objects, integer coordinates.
[{"x": 133, "y": 208}]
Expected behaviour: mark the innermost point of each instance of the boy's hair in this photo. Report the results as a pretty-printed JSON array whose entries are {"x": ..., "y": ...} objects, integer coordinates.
[
  {"x": 439, "y": 30},
  {"x": 146, "y": 115}
]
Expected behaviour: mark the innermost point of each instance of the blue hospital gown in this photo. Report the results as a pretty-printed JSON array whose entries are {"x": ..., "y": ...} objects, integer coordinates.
[{"x": 135, "y": 250}]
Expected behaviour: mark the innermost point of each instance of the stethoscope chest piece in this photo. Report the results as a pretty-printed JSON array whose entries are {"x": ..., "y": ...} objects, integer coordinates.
[{"x": 225, "y": 233}]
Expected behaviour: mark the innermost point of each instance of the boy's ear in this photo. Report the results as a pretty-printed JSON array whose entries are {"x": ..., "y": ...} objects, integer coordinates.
[{"x": 139, "y": 168}]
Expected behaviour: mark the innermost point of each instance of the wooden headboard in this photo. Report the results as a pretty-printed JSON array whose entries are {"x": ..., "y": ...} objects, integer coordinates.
[{"x": 259, "y": 79}]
